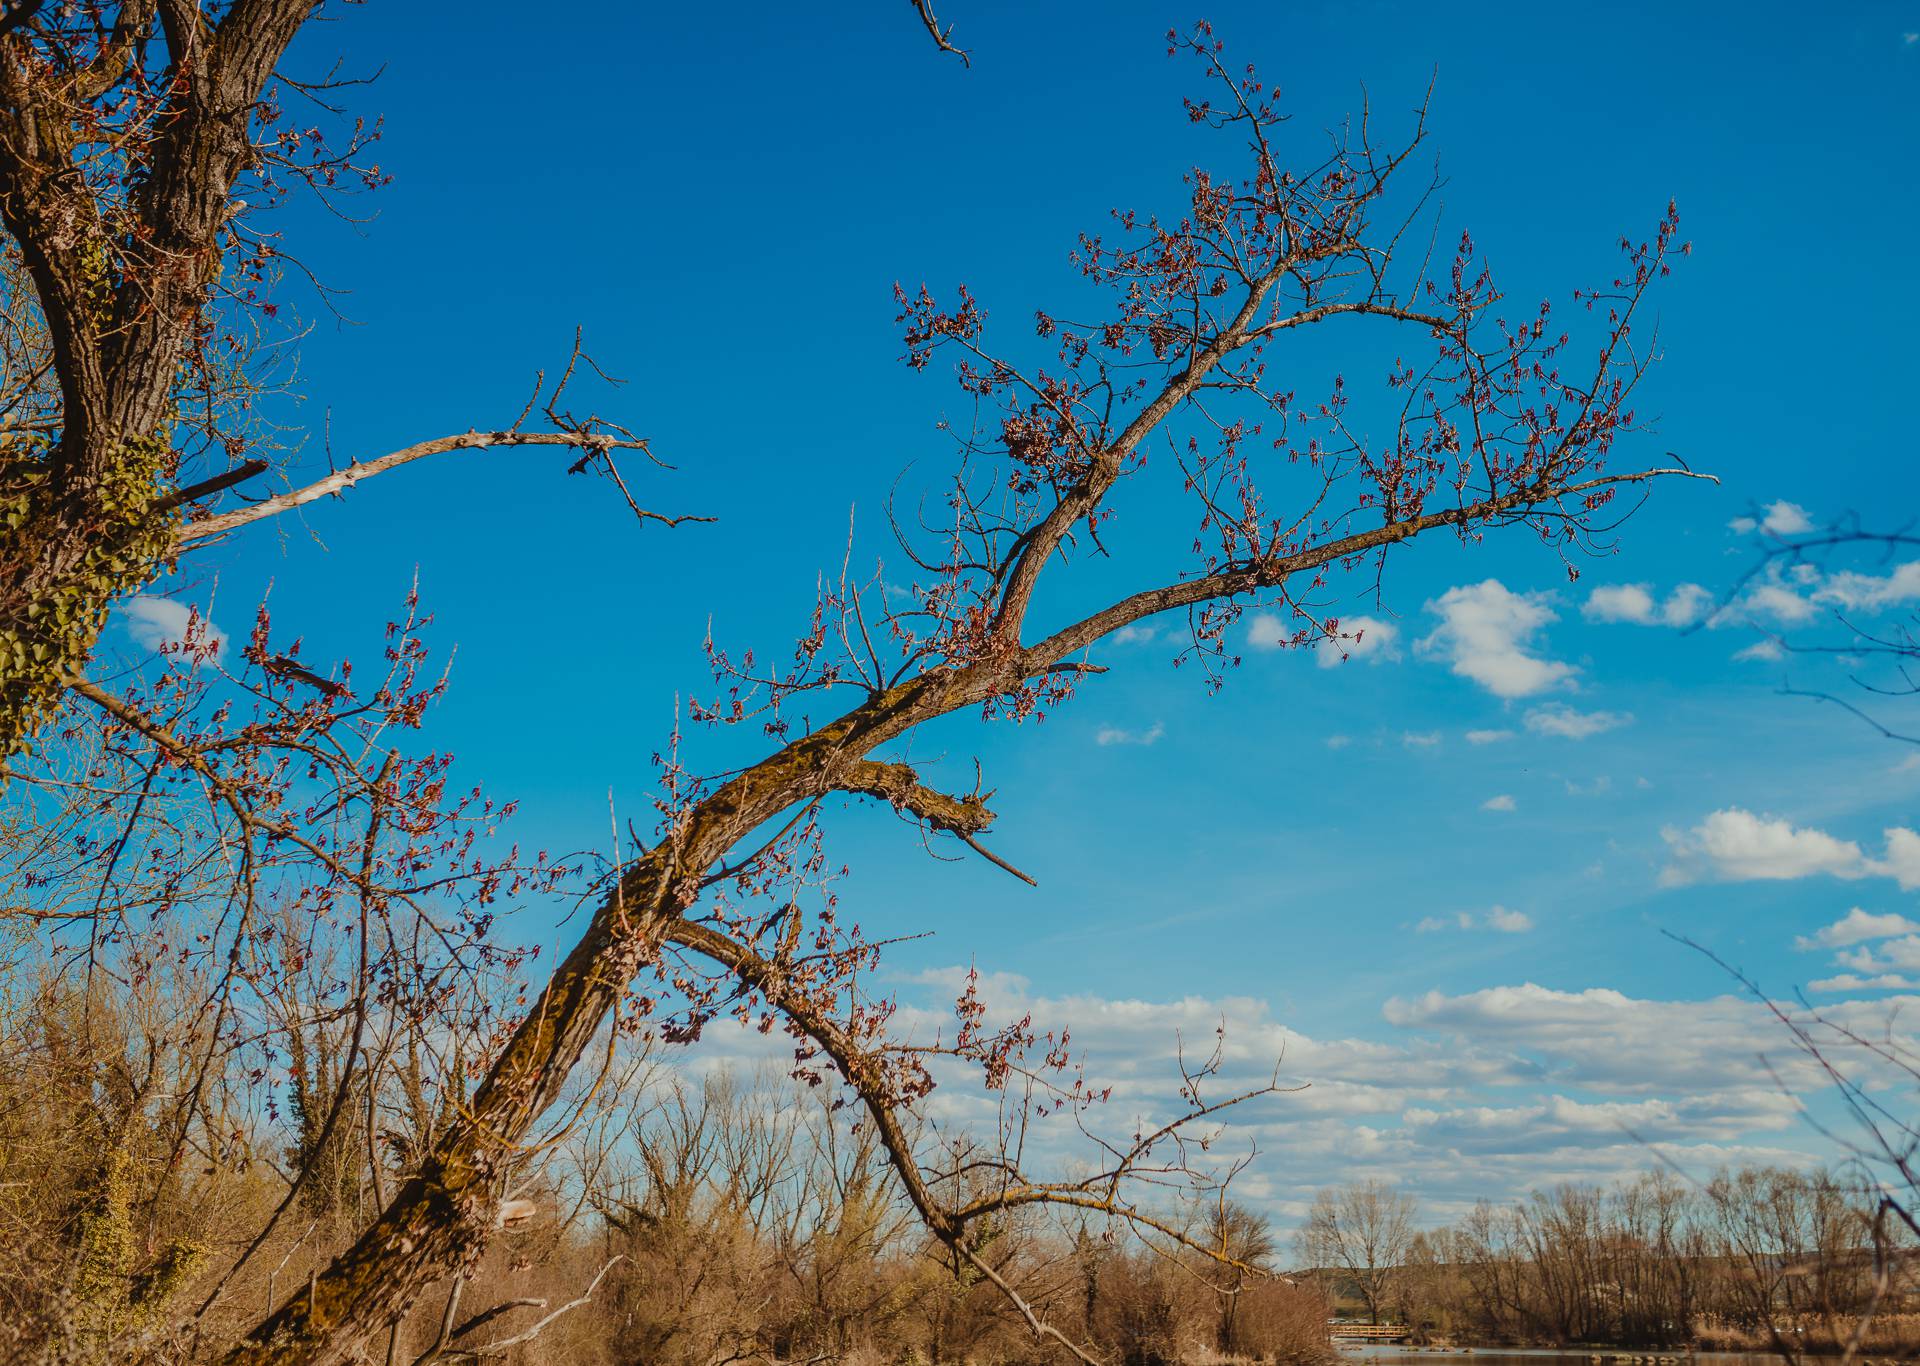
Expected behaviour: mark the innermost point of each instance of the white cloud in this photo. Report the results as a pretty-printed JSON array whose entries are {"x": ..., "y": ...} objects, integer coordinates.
[
  {"x": 1489, "y": 1094},
  {"x": 1486, "y": 634},
  {"x": 1902, "y": 862},
  {"x": 1780, "y": 602},
  {"x": 1634, "y": 602},
  {"x": 1847, "y": 981},
  {"x": 1784, "y": 596},
  {"x": 1488, "y": 737},
  {"x": 1557, "y": 718},
  {"x": 1734, "y": 845},
  {"x": 162, "y": 624},
  {"x": 1685, "y": 605},
  {"x": 1339, "y": 741},
  {"x": 1559, "y": 1122},
  {"x": 1856, "y": 927},
  {"x": 1134, "y": 633},
  {"x": 1265, "y": 631},
  {"x": 1766, "y": 651},
  {"x": 1420, "y": 739},
  {"x": 1599, "y": 1037},
  {"x": 1620, "y": 602},
  {"x": 1114, "y": 735},
  {"x": 1360, "y": 638},
  {"x": 1901, "y": 955},
  {"x": 1503, "y": 802},
  {"x": 1781, "y": 519},
  {"x": 1786, "y": 519},
  {"x": 1871, "y": 592},
  {"x": 1499, "y": 919}
]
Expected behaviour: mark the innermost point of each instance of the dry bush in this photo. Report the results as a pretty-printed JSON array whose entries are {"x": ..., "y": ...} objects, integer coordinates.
[{"x": 1284, "y": 1322}]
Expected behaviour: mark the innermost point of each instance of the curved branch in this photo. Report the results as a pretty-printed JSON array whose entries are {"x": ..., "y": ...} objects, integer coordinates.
[
  {"x": 340, "y": 481},
  {"x": 942, "y": 37}
]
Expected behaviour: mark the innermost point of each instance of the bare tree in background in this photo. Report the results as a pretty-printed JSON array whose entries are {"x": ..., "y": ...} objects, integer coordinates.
[
  {"x": 1361, "y": 1235},
  {"x": 133, "y": 141},
  {"x": 1243, "y": 1238},
  {"x": 1842, "y": 599},
  {"x": 1834, "y": 585}
]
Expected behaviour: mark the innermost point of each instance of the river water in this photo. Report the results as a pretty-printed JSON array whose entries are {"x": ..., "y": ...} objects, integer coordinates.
[{"x": 1389, "y": 1354}]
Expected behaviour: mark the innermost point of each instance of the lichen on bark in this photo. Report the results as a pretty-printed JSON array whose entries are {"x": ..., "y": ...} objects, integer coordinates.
[{"x": 69, "y": 553}]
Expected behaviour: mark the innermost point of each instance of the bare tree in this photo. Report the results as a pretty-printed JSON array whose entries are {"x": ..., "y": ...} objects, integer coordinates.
[
  {"x": 1359, "y": 1234},
  {"x": 1243, "y": 1238},
  {"x": 1179, "y": 386}
]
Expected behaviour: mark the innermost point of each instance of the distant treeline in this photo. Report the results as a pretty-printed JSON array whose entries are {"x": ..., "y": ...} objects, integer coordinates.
[{"x": 1654, "y": 1262}]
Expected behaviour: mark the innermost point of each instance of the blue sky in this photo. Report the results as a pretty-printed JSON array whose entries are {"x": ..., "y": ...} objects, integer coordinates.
[{"x": 723, "y": 201}]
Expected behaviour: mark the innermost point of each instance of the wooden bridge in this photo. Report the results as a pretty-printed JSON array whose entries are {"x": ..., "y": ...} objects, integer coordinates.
[{"x": 1369, "y": 1332}]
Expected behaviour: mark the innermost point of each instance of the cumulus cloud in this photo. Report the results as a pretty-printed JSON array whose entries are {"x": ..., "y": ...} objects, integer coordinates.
[
  {"x": 1559, "y": 1121},
  {"x": 1115, "y": 735},
  {"x": 1265, "y": 631},
  {"x": 1856, "y": 927},
  {"x": 1133, "y": 633},
  {"x": 1420, "y": 739},
  {"x": 1634, "y": 602},
  {"x": 1487, "y": 634},
  {"x": 1786, "y": 519},
  {"x": 1768, "y": 651},
  {"x": 1503, "y": 802},
  {"x": 1620, "y": 602},
  {"x": 1339, "y": 741},
  {"x": 1488, "y": 737},
  {"x": 163, "y": 624},
  {"x": 1557, "y": 718},
  {"x": 1685, "y": 605},
  {"x": 1856, "y": 592},
  {"x": 1780, "y": 519},
  {"x": 1892, "y": 955},
  {"x": 1902, "y": 862},
  {"x": 1778, "y": 601},
  {"x": 1508, "y": 922},
  {"x": 1734, "y": 845},
  {"x": 1599, "y": 1038},
  {"x": 1794, "y": 595},
  {"x": 1847, "y": 981},
  {"x": 1360, "y": 638}
]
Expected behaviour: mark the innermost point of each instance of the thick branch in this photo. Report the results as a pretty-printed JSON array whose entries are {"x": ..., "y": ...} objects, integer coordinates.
[
  {"x": 1248, "y": 578},
  {"x": 899, "y": 784}
]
